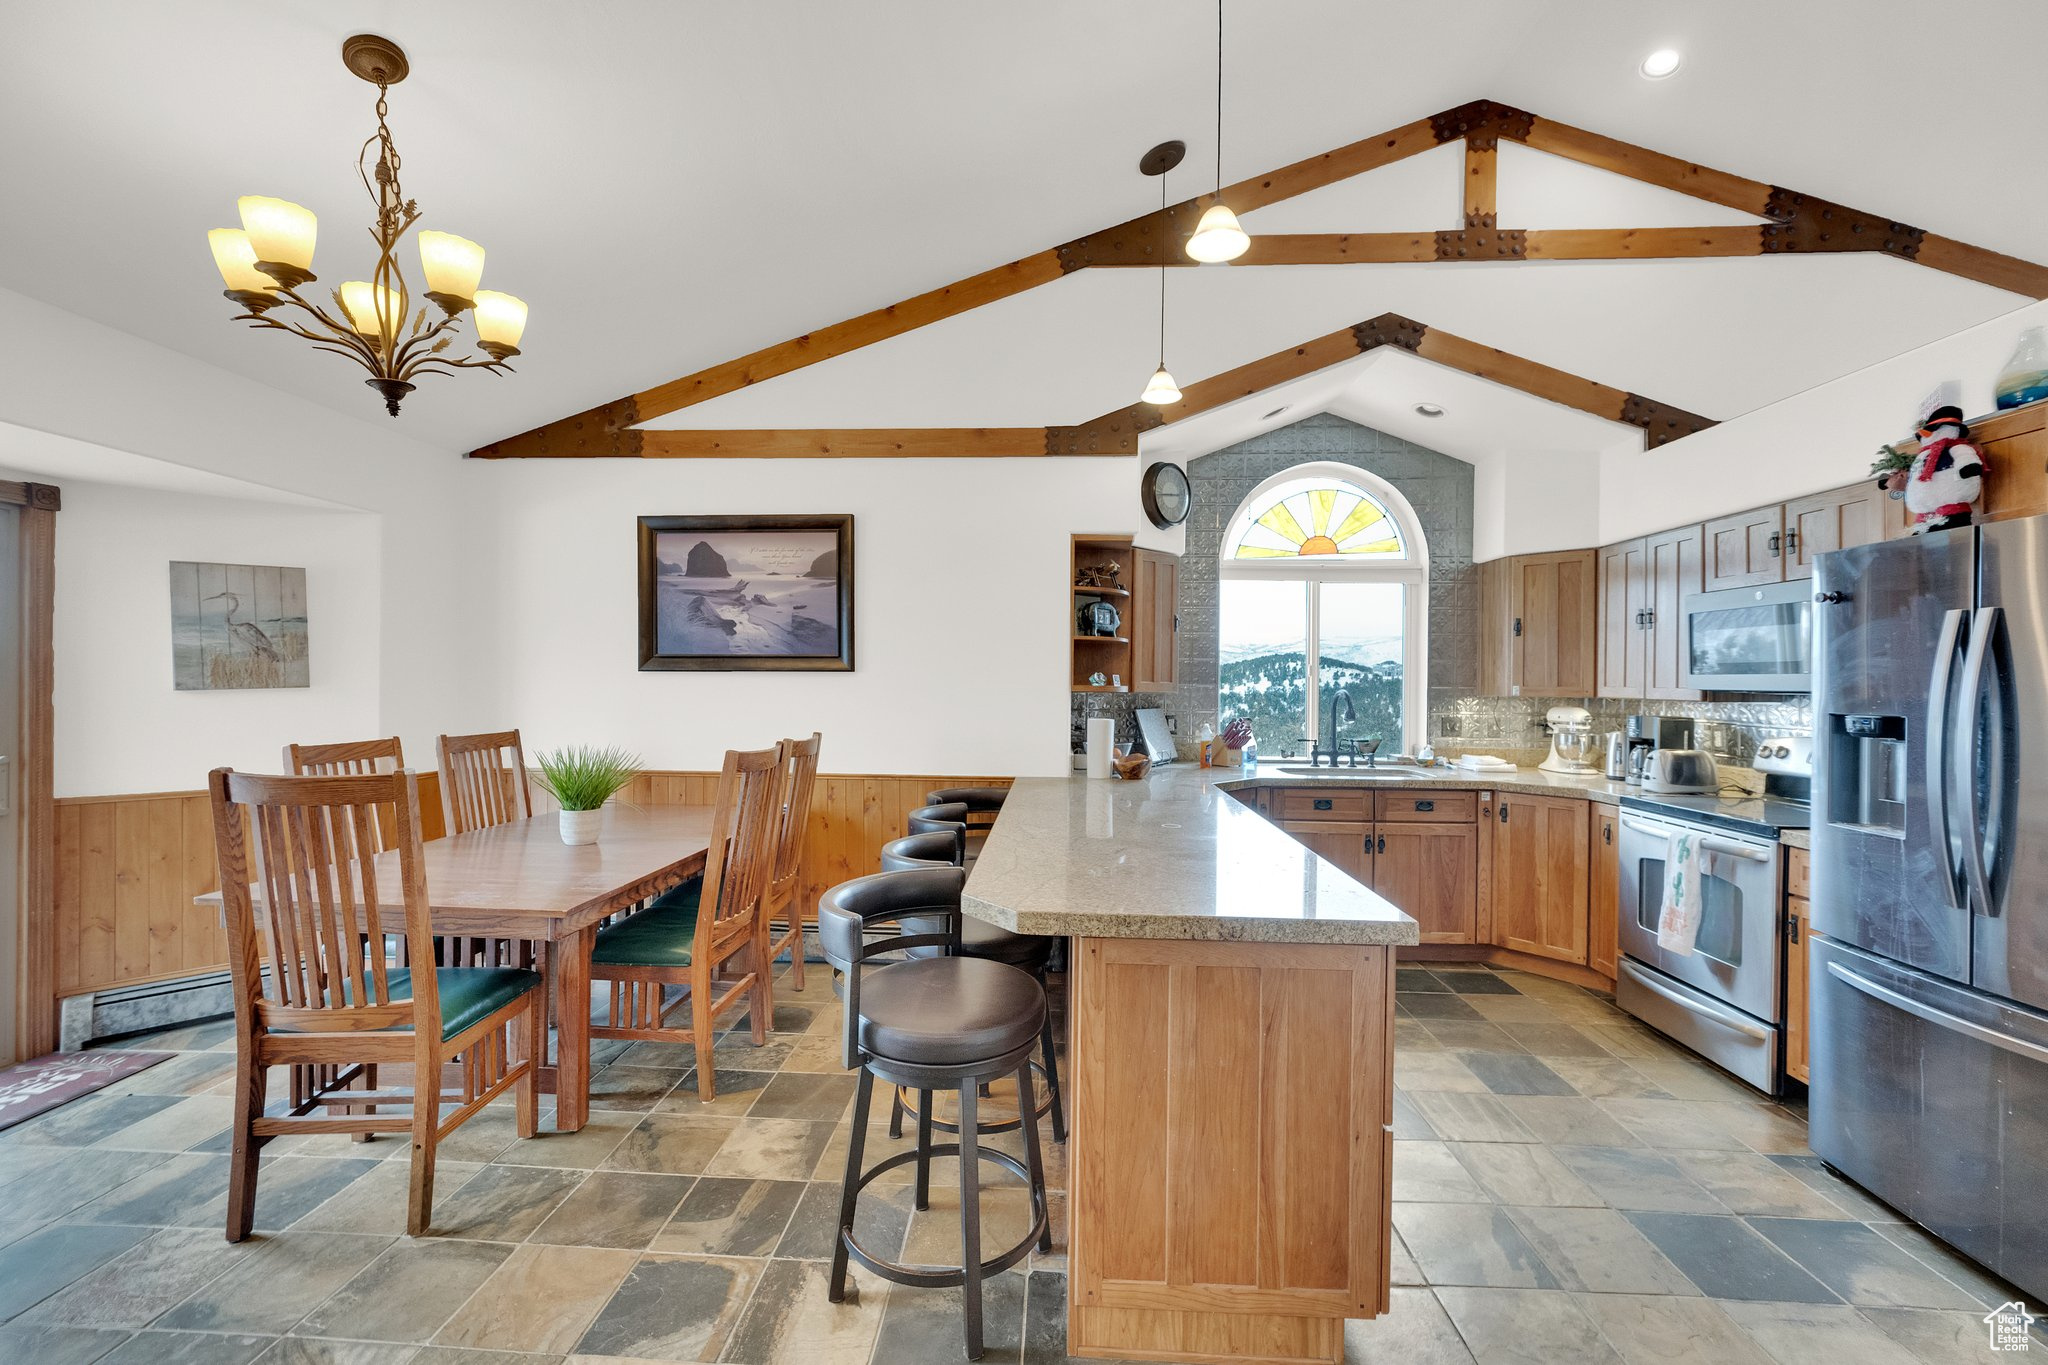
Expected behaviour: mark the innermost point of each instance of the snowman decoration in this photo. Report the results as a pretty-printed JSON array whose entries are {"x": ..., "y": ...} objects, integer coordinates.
[{"x": 1946, "y": 477}]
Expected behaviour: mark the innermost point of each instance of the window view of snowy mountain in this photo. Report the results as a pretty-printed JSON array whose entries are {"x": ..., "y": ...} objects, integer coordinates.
[{"x": 1264, "y": 654}]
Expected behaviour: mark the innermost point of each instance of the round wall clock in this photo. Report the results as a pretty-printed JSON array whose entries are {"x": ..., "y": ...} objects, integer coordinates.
[{"x": 1166, "y": 495}]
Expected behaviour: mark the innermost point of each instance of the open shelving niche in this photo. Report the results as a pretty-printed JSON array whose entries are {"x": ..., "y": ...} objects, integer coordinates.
[{"x": 1109, "y": 655}]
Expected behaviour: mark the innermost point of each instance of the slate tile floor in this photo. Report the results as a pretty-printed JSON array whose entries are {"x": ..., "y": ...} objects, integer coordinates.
[{"x": 1568, "y": 1187}]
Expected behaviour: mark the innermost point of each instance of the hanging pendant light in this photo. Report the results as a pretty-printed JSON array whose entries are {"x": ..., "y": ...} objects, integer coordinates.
[
  {"x": 1218, "y": 236},
  {"x": 1161, "y": 390}
]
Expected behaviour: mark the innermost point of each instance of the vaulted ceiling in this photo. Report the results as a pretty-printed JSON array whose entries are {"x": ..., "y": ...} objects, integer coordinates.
[{"x": 670, "y": 185}]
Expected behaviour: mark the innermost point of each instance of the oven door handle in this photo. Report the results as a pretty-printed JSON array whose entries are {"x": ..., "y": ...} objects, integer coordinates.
[
  {"x": 1742, "y": 1026},
  {"x": 1955, "y": 1023},
  {"x": 1708, "y": 844},
  {"x": 1937, "y": 751}
]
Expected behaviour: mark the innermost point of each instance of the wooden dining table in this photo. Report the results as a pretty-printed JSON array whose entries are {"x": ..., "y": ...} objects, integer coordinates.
[{"x": 520, "y": 881}]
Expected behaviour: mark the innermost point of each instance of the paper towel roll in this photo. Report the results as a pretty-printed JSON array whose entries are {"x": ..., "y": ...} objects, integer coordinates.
[{"x": 1101, "y": 745}]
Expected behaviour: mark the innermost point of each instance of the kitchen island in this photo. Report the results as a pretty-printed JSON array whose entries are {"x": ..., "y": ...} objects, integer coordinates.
[{"x": 1232, "y": 1016}]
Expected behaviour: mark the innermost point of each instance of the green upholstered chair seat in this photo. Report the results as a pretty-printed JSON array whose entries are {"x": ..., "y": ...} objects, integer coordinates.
[
  {"x": 685, "y": 893},
  {"x": 661, "y": 936},
  {"x": 469, "y": 995}
]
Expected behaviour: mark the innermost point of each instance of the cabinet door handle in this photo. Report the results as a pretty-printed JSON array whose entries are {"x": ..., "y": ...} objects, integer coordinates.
[
  {"x": 1791, "y": 928},
  {"x": 1425, "y": 805},
  {"x": 1775, "y": 540},
  {"x": 1607, "y": 834},
  {"x": 1324, "y": 803},
  {"x": 1518, "y": 626},
  {"x": 1382, "y": 845},
  {"x": 1792, "y": 541},
  {"x": 1503, "y": 812}
]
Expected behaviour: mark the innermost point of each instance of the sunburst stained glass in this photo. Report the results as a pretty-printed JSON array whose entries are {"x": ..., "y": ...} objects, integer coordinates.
[{"x": 1322, "y": 517}]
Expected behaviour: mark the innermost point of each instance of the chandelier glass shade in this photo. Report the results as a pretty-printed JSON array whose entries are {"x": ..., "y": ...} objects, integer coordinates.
[{"x": 266, "y": 261}]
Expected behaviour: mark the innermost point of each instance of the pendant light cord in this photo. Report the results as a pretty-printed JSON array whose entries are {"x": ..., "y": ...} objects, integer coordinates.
[
  {"x": 1219, "y": 101},
  {"x": 1162, "y": 276}
]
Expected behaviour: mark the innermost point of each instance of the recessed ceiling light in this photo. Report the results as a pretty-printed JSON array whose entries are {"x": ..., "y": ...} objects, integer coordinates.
[
  {"x": 1428, "y": 410},
  {"x": 1660, "y": 63},
  {"x": 1271, "y": 415}
]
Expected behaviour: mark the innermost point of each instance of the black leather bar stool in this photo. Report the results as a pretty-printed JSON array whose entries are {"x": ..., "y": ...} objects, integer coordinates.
[
  {"x": 978, "y": 938},
  {"x": 948, "y": 817},
  {"x": 930, "y": 1023},
  {"x": 983, "y": 804}
]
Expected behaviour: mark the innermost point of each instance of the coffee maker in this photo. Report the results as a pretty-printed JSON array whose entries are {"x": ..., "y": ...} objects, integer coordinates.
[{"x": 1646, "y": 733}]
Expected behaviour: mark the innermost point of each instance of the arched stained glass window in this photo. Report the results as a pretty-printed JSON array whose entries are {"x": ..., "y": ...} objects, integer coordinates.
[
  {"x": 1316, "y": 516},
  {"x": 1323, "y": 588}
]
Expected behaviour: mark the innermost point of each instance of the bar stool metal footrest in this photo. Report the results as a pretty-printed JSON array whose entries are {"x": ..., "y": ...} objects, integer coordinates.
[{"x": 941, "y": 1277}]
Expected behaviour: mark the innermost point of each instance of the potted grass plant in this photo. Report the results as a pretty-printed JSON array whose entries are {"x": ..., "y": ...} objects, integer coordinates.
[{"x": 581, "y": 780}]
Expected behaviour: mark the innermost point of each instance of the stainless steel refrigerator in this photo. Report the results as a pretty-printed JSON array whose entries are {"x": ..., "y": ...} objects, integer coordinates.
[{"x": 1929, "y": 966}]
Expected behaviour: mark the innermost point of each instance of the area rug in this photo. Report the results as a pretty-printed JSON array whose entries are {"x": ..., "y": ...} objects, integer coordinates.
[{"x": 36, "y": 1087}]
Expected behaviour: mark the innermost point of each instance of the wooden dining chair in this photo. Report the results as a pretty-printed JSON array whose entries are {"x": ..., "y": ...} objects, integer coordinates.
[
  {"x": 799, "y": 778},
  {"x": 307, "y": 899},
  {"x": 484, "y": 783},
  {"x": 483, "y": 780},
  {"x": 695, "y": 942}
]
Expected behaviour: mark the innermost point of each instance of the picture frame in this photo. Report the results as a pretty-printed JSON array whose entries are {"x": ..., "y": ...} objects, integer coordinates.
[{"x": 746, "y": 593}]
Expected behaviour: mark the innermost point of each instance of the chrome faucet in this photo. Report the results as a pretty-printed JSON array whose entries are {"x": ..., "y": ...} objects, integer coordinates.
[{"x": 1341, "y": 709}]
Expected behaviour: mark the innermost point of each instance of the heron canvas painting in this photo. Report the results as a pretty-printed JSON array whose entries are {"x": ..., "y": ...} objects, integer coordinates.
[
  {"x": 237, "y": 626},
  {"x": 719, "y": 593}
]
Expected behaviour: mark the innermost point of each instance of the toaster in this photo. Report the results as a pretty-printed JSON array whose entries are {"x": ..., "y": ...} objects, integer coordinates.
[{"x": 1676, "y": 771}]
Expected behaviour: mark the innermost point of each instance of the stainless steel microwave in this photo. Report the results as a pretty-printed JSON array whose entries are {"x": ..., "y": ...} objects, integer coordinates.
[{"x": 1749, "y": 639}]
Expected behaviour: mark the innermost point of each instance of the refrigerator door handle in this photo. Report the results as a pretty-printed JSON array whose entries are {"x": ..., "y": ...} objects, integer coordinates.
[
  {"x": 1937, "y": 750},
  {"x": 1955, "y": 1023},
  {"x": 1974, "y": 861}
]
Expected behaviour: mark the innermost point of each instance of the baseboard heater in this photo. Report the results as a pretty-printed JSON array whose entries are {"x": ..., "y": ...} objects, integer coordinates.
[{"x": 121, "y": 1010}]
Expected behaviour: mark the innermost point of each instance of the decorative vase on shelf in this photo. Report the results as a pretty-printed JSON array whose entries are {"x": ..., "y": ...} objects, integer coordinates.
[
  {"x": 2025, "y": 377},
  {"x": 581, "y": 826}
]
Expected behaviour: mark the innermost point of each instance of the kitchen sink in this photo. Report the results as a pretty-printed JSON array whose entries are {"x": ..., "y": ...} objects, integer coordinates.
[{"x": 1393, "y": 770}]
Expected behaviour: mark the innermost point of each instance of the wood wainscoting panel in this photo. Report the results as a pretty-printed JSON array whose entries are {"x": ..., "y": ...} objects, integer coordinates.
[{"x": 128, "y": 867}]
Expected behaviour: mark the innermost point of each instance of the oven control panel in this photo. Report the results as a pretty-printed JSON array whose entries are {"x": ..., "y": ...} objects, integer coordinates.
[{"x": 1791, "y": 755}]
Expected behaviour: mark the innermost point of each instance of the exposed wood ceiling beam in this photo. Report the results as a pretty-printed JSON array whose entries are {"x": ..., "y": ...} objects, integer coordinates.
[
  {"x": 1117, "y": 433},
  {"x": 1798, "y": 224},
  {"x": 852, "y": 443}
]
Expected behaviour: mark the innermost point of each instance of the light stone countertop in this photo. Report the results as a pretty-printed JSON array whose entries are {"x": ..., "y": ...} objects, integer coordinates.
[
  {"x": 1525, "y": 781},
  {"x": 1170, "y": 856},
  {"x": 1796, "y": 838}
]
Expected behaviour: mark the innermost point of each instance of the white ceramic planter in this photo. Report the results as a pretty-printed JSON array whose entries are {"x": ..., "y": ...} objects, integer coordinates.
[{"x": 581, "y": 826}]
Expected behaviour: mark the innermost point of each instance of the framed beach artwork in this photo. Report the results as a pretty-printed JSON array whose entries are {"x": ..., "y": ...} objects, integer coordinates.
[
  {"x": 237, "y": 626},
  {"x": 730, "y": 593}
]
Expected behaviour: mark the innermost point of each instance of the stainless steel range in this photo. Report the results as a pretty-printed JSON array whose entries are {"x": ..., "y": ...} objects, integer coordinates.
[{"x": 1725, "y": 999}]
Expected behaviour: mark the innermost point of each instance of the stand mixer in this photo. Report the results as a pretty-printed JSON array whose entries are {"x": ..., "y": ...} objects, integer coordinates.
[{"x": 1572, "y": 742}]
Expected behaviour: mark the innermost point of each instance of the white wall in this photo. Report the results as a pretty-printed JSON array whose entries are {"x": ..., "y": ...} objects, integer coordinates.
[
  {"x": 425, "y": 579},
  {"x": 1823, "y": 438},
  {"x": 962, "y": 609},
  {"x": 121, "y": 726}
]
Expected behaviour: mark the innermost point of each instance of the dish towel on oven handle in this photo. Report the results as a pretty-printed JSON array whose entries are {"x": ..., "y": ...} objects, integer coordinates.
[{"x": 1678, "y": 922}]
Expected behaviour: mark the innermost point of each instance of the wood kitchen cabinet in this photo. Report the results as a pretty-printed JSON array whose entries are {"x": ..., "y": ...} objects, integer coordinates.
[
  {"x": 1778, "y": 543},
  {"x": 1538, "y": 620},
  {"x": 1797, "y": 921},
  {"x": 1676, "y": 567},
  {"x": 1347, "y": 844},
  {"x": 1624, "y": 610},
  {"x": 1746, "y": 548},
  {"x": 1155, "y": 620},
  {"x": 1603, "y": 890},
  {"x": 1432, "y": 873},
  {"x": 1643, "y": 586},
  {"x": 1834, "y": 520},
  {"x": 1541, "y": 857}
]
